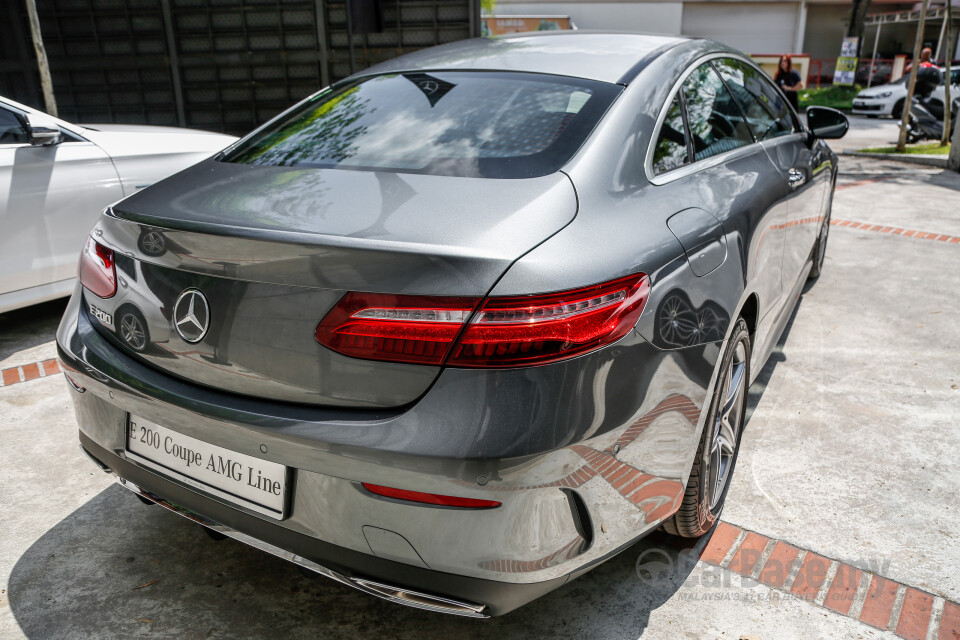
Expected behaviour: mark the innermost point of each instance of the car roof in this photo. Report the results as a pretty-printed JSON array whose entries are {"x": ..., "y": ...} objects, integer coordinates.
[{"x": 605, "y": 56}]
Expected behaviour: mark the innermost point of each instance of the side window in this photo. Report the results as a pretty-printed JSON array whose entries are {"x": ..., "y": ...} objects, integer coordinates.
[
  {"x": 671, "y": 150},
  {"x": 716, "y": 123},
  {"x": 767, "y": 112},
  {"x": 12, "y": 130}
]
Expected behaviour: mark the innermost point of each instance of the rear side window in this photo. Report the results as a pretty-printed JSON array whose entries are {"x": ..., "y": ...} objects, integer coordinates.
[
  {"x": 465, "y": 123},
  {"x": 716, "y": 123},
  {"x": 765, "y": 107},
  {"x": 672, "y": 149}
]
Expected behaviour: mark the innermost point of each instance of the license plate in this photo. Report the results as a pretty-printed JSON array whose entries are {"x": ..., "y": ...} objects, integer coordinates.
[{"x": 235, "y": 477}]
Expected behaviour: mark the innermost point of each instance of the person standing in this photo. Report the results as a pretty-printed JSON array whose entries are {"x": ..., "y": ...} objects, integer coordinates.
[{"x": 789, "y": 81}]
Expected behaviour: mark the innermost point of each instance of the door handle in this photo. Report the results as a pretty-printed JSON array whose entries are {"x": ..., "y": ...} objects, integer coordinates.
[{"x": 796, "y": 177}]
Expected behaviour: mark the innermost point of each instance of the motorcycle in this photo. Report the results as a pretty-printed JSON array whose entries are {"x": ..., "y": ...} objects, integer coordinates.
[
  {"x": 926, "y": 113},
  {"x": 926, "y": 119}
]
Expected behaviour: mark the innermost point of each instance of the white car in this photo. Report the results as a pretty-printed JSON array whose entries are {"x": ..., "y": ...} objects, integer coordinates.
[
  {"x": 55, "y": 180},
  {"x": 888, "y": 99}
]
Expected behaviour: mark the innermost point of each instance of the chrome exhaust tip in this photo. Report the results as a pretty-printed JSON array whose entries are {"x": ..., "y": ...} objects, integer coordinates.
[{"x": 419, "y": 600}]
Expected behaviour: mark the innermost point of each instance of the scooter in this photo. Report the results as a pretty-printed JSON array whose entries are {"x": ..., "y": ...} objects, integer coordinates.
[
  {"x": 926, "y": 119},
  {"x": 926, "y": 113}
]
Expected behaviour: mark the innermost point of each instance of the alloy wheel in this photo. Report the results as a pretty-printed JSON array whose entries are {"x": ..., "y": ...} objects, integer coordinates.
[
  {"x": 132, "y": 331},
  {"x": 726, "y": 427}
]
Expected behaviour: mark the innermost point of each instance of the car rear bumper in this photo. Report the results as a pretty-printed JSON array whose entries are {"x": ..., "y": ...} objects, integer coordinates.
[
  {"x": 565, "y": 507},
  {"x": 394, "y": 581}
]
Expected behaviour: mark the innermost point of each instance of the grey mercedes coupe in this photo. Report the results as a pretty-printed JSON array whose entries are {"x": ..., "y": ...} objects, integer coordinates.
[{"x": 458, "y": 328}]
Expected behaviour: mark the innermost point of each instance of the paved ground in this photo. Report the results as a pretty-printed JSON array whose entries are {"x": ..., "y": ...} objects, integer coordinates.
[
  {"x": 849, "y": 456},
  {"x": 868, "y": 132}
]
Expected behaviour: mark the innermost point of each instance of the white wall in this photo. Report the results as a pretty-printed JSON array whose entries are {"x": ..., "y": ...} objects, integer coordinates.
[
  {"x": 647, "y": 17},
  {"x": 751, "y": 27},
  {"x": 825, "y": 30}
]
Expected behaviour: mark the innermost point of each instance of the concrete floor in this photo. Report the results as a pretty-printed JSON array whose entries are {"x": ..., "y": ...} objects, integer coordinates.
[{"x": 849, "y": 452}]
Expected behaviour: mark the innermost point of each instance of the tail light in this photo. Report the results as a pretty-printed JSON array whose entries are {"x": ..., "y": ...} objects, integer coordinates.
[
  {"x": 96, "y": 270},
  {"x": 413, "y": 329},
  {"x": 429, "y": 498},
  {"x": 525, "y": 330},
  {"x": 503, "y": 332}
]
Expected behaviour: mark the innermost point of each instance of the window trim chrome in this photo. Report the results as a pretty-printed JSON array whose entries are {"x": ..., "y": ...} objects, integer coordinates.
[{"x": 697, "y": 165}]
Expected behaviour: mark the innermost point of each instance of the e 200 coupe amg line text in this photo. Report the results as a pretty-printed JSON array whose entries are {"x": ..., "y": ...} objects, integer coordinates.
[{"x": 462, "y": 326}]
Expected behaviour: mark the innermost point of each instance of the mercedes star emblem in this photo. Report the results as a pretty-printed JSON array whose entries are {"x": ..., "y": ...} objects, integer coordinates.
[
  {"x": 191, "y": 315},
  {"x": 429, "y": 86}
]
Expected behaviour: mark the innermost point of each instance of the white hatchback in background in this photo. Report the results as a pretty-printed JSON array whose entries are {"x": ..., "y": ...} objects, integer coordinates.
[
  {"x": 888, "y": 99},
  {"x": 55, "y": 180}
]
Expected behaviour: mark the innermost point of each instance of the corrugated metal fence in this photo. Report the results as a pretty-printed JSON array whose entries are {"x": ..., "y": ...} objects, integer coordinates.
[{"x": 222, "y": 65}]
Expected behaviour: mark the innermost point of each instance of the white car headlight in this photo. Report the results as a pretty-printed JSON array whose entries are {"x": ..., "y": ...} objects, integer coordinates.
[{"x": 885, "y": 94}]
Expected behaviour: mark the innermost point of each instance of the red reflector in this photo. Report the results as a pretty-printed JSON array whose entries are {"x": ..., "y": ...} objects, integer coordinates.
[
  {"x": 96, "y": 269},
  {"x": 528, "y": 330},
  {"x": 395, "y": 328},
  {"x": 429, "y": 498}
]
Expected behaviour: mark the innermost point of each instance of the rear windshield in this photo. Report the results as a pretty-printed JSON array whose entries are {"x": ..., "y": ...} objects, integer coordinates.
[{"x": 466, "y": 123}]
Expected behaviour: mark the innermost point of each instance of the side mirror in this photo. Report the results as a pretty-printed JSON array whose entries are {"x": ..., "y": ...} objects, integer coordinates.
[
  {"x": 827, "y": 123},
  {"x": 43, "y": 130}
]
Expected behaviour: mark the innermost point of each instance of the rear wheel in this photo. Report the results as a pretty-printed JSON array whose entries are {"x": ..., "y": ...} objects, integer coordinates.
[{"x": 717, "y": 453}]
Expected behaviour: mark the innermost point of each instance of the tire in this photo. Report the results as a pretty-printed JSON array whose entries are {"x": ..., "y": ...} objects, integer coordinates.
[
  {"x": 706, "y": 491},
  {"x": 898, "y": 109},
  {"x": 820, "y": 249}
]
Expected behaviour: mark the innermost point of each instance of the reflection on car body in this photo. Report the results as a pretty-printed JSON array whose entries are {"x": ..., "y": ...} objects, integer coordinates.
[{"x": 56, "y": 177}]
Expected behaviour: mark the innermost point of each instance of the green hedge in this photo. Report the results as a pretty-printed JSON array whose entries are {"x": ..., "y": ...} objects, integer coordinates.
[
  {"x": 929, "y": 149},
  {"x": 836, "y": 97}
]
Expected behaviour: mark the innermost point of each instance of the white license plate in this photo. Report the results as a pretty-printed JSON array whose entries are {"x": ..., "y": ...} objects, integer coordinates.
[{"x": 256, "y": 484}]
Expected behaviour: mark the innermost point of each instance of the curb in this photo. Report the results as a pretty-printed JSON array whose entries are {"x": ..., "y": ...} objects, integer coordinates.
[
  {"x": 843, "y": 588},
  {"x": 930, "y": 161},
  {"x": 898, "y": 231},
  {"x": 30, "y": 371}
]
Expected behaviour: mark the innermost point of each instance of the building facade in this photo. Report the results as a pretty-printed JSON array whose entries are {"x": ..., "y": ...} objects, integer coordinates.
[{"x": 811, "y": 27}]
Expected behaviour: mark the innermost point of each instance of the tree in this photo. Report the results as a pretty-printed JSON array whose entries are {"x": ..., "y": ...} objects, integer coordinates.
[
  {"x": 858, "y": 15},
  {"x": 914, "y": 67},
  {"x": 953, "y": 161},
  {"x": 947, "y": 115}
]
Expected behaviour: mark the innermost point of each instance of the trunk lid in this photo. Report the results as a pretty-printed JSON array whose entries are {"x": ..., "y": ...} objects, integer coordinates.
[{"x": 272, "y": 249}]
